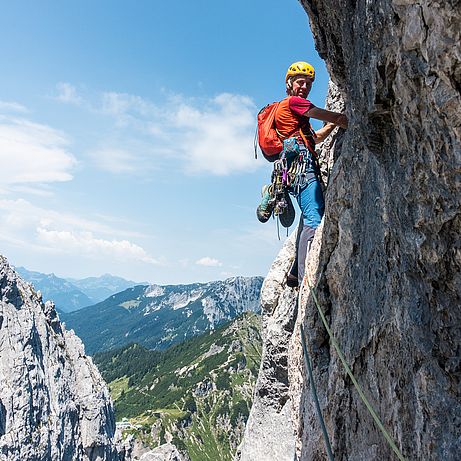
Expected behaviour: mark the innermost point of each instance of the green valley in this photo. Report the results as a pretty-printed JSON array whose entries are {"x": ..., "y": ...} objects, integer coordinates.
[{"x": 196, "y": 394}]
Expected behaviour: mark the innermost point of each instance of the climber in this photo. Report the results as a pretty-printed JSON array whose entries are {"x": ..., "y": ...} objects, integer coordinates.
[{"x": 293, "y": 128}]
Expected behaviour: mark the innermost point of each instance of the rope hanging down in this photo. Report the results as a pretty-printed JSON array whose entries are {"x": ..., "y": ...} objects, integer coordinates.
[
  {"x": 354, "y": 381},
  {"x": 307, "y": 361}
]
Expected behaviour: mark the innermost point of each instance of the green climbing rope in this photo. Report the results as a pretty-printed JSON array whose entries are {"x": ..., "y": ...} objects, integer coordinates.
[
  {"x": 307, "y": 361},
  {"x": 354, "y": 381}
]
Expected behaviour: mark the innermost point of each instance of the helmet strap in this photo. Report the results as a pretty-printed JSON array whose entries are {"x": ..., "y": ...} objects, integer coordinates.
[{"x": 289, "y": 86}]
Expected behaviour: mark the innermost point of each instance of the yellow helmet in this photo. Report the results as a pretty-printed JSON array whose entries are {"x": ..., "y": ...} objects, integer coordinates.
[{"x": 300, "y": 68}]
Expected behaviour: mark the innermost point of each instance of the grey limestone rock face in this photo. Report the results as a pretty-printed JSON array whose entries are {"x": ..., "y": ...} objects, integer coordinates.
[
  {"x": 165, "y": 452},
  {"x": 54, "y": 404},
  {"x": 386, "y": 260},
  {"x": 269, "y": 433},
  {"x": 389, "y": 256}
]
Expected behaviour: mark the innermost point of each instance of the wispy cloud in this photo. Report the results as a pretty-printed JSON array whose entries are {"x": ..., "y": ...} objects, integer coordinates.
[
  {"x": 23, "y": 223},
  {"x": 11, "y": 106},
  {"x": 206, "y": 135},
  {"x": 21, "y": 215},
  {"x": 87, "y": 244},
  {"x": 122, "y": 105},
  {"x": 42, "y": 191},
  {"x": 218, "y": 137},
  {"x": 115, "y": 160},
  {"x": 209, "y": 262},
  {"x": 33, "y": 153},
  {"x": 67, "y": 93}
]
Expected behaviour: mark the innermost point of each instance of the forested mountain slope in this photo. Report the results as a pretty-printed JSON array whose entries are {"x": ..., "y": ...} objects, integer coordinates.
[
  {"x": 196, "y": 394},
  {"x": 159, "y": 316}
]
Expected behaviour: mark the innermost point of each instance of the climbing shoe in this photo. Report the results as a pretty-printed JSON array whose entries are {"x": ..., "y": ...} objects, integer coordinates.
[
  {"x": 287, "y": 216},
  {"x": 292, "y": 276},
  {"x": 265, "y": 208},
  {"x": 292, "y": 281}
]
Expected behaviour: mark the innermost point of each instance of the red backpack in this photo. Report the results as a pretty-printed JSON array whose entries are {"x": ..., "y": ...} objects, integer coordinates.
[
  {"x": 269, "y": 140},
  {"x": 267, "y": 136}
]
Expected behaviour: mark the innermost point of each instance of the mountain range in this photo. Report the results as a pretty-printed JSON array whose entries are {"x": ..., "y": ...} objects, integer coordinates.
[
  {"x": 160, "y": 316},
  {"x": 70, "y": 295},
  {"x": 100, "y": 288},
  {"x": 193, "y": 392}
]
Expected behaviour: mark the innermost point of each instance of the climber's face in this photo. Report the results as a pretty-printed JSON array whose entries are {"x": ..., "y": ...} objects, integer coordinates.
[{"x": 301, "y": 86}]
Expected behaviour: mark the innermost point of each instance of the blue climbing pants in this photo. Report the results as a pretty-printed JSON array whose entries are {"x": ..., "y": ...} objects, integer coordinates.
[
  {"x": 311, "y": 203},
  {"x": 308, "y": 194},
  {"x": 312, "y": 206}
]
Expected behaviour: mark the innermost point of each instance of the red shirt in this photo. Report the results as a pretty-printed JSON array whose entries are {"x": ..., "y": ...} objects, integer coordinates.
[{"x": 290, "y": 118}]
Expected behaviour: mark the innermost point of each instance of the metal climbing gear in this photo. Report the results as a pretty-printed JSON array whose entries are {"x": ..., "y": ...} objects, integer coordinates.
[{"x": 290, "y": 175}]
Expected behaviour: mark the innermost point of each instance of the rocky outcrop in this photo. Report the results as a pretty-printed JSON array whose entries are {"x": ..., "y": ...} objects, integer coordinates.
[
  {"x": 165, "y": 452},
  {"x": 386, "y": 261},
  {"x": 269, "y": 431},
  {"x": 54, "y": 404}
]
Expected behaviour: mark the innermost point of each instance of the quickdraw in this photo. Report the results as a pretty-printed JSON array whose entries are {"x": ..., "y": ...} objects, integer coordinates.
[
  {"x": 298, "y": 174},
  {"x": 279, "y": 182},
  {"x": 294, "y": 178},
  {"x": 290, "y": 175}
]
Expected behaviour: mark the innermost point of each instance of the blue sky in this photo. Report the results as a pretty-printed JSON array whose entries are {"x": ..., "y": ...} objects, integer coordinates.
[{"x": 126, "y": 134}]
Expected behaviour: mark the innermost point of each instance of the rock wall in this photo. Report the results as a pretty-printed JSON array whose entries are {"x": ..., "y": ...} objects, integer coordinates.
[
  {"x": 386, "y": 261},
  {"x": 269, "y": 431},
  {"x": 165, "y": 452},
  {"x": 54, "y": 404}
]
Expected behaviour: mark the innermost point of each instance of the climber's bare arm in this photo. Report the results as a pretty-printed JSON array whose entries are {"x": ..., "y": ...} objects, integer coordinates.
[
  {"x": 323, "y": 132},
  {"x": 328, "y": 116}
]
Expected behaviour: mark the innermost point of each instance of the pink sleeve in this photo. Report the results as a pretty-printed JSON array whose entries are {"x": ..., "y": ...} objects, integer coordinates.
[{"x": 299, "y": 105}]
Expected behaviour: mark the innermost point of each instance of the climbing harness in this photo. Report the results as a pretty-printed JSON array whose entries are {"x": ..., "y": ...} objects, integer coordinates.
[
  {"x": 352, "y": 377},
  {"x": 307, "y": 362},
  {"x": 290, "y": 175}
]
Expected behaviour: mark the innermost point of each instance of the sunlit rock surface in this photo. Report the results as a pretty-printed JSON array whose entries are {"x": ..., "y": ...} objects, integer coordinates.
[
  {"x": 269, "y": 433},
  {"x": 387, "y": 260},
  {"x": 54, "y": 404},
  {"x": 165, "y": 452}
]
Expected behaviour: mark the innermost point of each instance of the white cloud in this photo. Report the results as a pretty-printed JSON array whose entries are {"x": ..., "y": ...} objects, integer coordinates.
[
  {"x": 212, "y": 135},
  {"x": 27, "y": 217},
  {"x": 115, "y": 160},
  {"x": 218, "y": 138},
  {"x": 43, "y": 191},
  {"x": 128, "y": 110},
  {"x": 26, "y": 225},
  {"x": 120, "y": 104},
  {"x": 86, "y": 243},
  {"x": 11, "y": 106},
  {"x": 33, "y": 153},
  {"x": 67, "y": 93},
  {"x": 209, "y": 262},
  {"x": 204, "y": 135}
]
